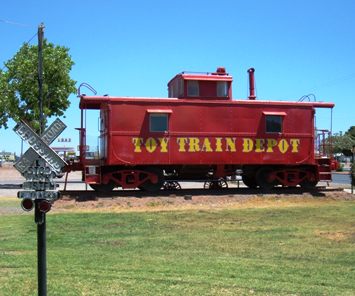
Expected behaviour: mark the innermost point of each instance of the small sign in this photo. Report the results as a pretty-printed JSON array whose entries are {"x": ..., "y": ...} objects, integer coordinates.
[
  {"x": 39, "y": 178},
  {"x": 64, "y": 140},
  {"x": 49, "y": 195},
  {"x": 39, "y": 185}
]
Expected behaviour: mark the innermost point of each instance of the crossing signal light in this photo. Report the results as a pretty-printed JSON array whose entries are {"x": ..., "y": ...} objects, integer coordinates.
[
  {"x": 44, "y": 206},
  {"x": 27, "y": 204}
]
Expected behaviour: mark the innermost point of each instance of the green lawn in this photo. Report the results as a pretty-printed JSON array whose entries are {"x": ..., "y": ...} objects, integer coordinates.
[{"x": 306, "y": 250}]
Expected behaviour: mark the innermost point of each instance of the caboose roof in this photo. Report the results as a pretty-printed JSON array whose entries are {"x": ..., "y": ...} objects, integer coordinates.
[{"x": 95, "y": 102}]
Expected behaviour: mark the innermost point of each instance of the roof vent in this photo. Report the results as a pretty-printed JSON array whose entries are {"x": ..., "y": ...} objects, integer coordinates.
[{"x": 221, "y": 71}]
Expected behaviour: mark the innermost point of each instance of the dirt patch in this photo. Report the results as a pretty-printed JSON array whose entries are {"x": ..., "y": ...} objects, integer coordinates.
[
  {"x": 133, "y": 203},
  {"x": 198, "y": 202},
  {"x": 8, "y": 173},
  {"x": 336, "y": 235}
]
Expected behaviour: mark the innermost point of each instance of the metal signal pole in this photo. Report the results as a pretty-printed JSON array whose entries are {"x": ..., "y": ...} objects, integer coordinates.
[{"x": 40, "y": 217}]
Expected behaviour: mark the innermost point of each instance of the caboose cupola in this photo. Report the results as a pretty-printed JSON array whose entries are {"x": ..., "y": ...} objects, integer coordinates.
[{"x": 202, "y": 86}]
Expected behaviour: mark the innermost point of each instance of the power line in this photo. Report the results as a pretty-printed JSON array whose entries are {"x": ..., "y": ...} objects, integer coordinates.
[
  {"x": 31, "y": 38},
  {"x": 14, "y": 23},
  {"x": 28, "y": 42},
  {"x": 335, "y": 81}
]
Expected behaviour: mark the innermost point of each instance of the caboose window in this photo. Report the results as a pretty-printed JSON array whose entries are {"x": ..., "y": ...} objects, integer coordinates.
[
  {"x": 222, "y": 89},
  {"x": 158, "y": 122},
  {"x": 181, "y": 88},
  {"x": 192, "y": 88},
  {"x": 176, "y": 88},
  {"x": 274, "y": 123}
]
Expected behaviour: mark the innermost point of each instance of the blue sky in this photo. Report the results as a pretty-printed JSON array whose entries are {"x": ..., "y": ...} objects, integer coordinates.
[{"x": 133, "y": 48}]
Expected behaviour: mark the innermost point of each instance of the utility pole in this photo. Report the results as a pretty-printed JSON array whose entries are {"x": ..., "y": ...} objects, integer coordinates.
[
  {"x": 40, "y": 217},
  {"x": 40, "y": 76}
]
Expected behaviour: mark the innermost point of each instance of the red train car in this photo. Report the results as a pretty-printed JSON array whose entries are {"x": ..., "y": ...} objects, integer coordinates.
[{"x": 200, "y": 133}]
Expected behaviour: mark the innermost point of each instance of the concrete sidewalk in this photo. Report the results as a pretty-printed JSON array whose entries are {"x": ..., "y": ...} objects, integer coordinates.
[{"x": 349, "y": 190}]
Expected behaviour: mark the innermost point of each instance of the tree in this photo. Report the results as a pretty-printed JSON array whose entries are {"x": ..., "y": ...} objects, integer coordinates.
[
  {"x": 344, "y": 143},
  {"x": 351, "y": 132},
  {"x": 3, "y": 100},
  {"x": 19, "y": 84}
]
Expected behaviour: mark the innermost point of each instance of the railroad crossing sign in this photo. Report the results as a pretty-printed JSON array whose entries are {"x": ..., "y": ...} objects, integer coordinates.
[
  {"x": 31, "y": 155},
  {"x": 40, "y": 163}
]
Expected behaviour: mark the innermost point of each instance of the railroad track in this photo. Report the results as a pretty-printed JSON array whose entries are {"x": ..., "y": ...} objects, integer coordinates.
[{"x": 83, "y": 195}]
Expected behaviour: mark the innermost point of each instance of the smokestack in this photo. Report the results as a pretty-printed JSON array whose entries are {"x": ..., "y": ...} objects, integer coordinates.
[{"x": 251, "y": 84}]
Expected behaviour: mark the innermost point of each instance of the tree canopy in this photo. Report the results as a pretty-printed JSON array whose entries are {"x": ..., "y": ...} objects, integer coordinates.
[
  {"x": 19, "y": 84},
  {"x": 344, "y": 143}
]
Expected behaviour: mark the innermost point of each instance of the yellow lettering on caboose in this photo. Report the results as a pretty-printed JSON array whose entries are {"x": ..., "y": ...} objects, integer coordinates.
[{"x": 216, "y": 144}]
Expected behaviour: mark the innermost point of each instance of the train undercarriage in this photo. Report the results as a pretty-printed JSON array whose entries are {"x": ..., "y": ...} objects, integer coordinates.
[{"x": 154, "y": 178}]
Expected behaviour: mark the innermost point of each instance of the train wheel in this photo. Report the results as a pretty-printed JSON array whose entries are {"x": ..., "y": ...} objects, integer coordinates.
[
  {"x": 214, "y": 185},
  {"x": 249, "y": 181},
  {"x": 153, "y": 187},
  {"x": 264, "y": 179},
  {"x": 103, "y": 188},
  {"x": 171, "y": 185}
]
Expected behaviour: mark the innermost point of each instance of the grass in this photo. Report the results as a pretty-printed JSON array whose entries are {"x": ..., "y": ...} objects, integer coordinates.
[{"x": 266, "y": 251}]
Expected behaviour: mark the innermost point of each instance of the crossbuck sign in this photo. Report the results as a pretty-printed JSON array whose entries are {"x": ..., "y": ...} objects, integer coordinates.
[{"x": 39, "y": 164}]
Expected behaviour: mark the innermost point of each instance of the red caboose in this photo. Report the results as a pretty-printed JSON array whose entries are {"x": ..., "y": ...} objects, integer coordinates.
[{"x": 200, "y": 133}]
